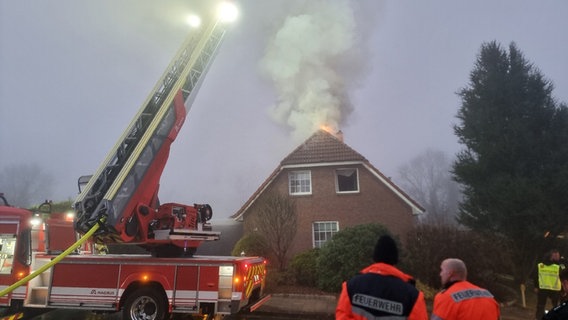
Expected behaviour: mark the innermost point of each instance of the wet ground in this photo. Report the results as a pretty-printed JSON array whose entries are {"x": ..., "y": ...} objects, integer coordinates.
[
  {"x": 84, "y": 315},
  {"x": 508, "y": 313},
  {"x": 281, "y": 307}
]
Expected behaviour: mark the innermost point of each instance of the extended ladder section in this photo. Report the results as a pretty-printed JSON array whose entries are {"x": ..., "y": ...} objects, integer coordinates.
[{"x": 129, "y": 176}]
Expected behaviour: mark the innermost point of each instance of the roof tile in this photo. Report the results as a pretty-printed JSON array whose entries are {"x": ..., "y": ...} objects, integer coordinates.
[{"x": 322, "y": 146}]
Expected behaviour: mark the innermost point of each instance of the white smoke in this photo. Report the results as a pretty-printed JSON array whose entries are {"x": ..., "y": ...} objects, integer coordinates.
[{"x": 311, "y": 60}]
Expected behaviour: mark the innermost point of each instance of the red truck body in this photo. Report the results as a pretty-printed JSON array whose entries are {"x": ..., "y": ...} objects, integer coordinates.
[
  {"x": 221, "y": 283},
  {"x": 136, "y": 284}
]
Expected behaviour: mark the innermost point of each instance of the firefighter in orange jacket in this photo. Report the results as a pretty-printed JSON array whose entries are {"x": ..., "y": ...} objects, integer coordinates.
[
  {"x": 461, "y": 299},
  {"x": 381, "y": 290}
]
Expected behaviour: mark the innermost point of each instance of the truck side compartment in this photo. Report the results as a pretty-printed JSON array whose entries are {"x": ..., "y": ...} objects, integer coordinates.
[{"x": 228, "y": 284}]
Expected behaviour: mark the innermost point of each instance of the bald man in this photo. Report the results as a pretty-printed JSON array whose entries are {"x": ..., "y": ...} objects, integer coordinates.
[{"x": 461, "y": 299}]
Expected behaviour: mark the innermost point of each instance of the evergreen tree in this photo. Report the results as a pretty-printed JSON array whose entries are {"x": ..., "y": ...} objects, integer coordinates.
[{"x": 514, "y": 165}]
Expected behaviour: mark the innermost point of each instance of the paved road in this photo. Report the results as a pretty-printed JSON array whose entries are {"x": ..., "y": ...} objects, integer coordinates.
[
  {"x": 76, "y": 315},
  {"x": 279, "y": 307},
  {"x": 84, "y": 315}
]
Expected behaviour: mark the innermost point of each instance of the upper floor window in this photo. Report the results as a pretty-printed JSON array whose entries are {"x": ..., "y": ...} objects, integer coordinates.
[
  {"x": 323, "y": 231},
  {"x": 300, "y": 182},
  {"x": 346, "y": 180}
]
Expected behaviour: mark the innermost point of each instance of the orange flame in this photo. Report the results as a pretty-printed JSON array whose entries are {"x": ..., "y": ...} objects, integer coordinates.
[{"x": 327, "y": 128}]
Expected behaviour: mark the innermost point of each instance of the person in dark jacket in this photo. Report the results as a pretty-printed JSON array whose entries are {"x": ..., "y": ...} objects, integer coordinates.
[
  {"x": 560, "y": 312},
  {"x": 381, "y": 290},
  {"x": 547, "y": 283}
]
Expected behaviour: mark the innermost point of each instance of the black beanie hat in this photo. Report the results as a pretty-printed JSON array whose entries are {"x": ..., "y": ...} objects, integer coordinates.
[{"x": 386, "y": 251}]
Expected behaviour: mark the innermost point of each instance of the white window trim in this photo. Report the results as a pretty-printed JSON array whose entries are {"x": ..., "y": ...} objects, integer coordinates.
[
  {"x": 313, "y": 232},
  {"x": 337, "y": 182},
  {"x": 309, "y": 172}
]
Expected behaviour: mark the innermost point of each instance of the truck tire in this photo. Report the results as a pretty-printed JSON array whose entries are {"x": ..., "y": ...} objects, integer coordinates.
[{"x": 145, "y": 303}]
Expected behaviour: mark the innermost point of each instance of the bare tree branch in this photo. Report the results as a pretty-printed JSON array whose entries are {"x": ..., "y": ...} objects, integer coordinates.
[
  {"x": 276, "y": 219},
  {"x": 428, "y": 179},
  {"x": 25, "y": 184}
]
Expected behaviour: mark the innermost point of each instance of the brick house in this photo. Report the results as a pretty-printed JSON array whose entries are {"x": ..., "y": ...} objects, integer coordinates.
[{"x": 334, "y": 187}]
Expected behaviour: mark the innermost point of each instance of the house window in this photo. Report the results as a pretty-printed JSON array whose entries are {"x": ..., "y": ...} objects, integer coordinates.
[
  {"x": 346, "y": 180},
  {"x": 300, "y": 182},
  {"x": 323, "y": 231}
]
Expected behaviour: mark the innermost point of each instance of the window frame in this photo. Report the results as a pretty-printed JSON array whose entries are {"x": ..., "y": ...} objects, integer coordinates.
[
  {"x": 319, "y": 242},
  {"x": 357, "y": 186},
  {"x": 298, "y": 185},
  {"x": 8, "y": 243}
]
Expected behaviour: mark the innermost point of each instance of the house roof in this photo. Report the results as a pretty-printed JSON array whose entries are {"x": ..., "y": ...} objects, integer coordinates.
[
  {"x": 325, "y": 148},
  {"x": 322, "y": 146}
]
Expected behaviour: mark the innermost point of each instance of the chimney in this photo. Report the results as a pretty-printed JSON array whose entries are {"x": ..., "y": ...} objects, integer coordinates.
[{"x": 339, "y": 135}]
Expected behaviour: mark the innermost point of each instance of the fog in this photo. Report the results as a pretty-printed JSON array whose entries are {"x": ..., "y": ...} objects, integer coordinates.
[{"x": 73, "y": 74}]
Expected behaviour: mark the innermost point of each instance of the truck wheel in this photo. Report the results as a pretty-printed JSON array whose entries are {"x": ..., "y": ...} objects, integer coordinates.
[{"x": 145, "y": 304}]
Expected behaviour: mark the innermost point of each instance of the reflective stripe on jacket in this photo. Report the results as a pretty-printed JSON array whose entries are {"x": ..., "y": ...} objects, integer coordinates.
[
  {"x": 463, "y": 300},
  {"x": 548, "y": 276},
  {"x": 381, "y": 291}
]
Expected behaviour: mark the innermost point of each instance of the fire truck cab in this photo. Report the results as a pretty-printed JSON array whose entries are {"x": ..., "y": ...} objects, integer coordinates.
[{"x": 15, "y": 249}]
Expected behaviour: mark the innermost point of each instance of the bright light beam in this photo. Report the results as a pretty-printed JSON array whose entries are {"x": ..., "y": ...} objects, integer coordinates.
[
  {"x": 194, "y": 21},
  {"x": 227, "y": 12}
]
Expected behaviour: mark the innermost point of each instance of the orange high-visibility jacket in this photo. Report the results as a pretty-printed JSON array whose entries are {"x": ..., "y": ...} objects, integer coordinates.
[
  {"x": 465, "y": 301},
  {"x": 381, "y": 290}
]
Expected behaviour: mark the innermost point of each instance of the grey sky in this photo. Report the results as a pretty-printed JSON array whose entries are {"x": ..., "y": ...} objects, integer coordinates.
[{"x": 74, "y": 73}]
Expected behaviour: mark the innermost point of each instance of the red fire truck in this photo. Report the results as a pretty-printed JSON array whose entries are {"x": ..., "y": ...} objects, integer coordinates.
[
  {"x": 143, "y": 287},
  {"x": 119, "y": 205}
]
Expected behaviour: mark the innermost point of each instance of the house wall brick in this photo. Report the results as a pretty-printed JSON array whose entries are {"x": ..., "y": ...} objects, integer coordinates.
[{"x": 374, "y": 203}]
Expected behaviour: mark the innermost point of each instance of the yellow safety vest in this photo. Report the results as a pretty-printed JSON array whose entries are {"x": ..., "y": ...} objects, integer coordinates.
[{"x": 548, "y": 277}]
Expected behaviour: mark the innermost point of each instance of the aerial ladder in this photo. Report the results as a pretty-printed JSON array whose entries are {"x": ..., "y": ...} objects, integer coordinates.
[{"x": 122, "y": 195}]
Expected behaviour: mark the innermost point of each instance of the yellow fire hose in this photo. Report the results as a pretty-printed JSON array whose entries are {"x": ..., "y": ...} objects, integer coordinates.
[{"x": 52, "y": 262}]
